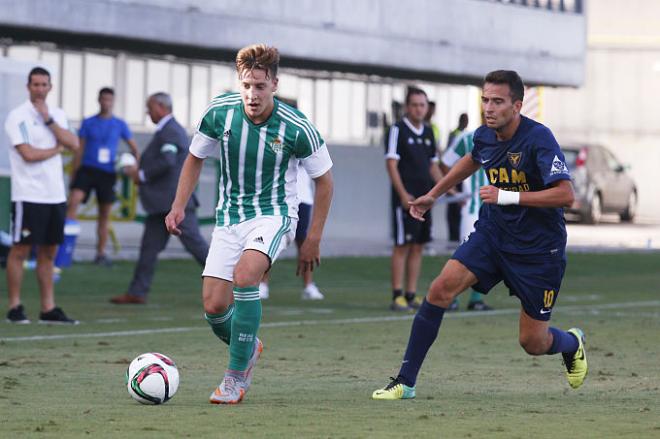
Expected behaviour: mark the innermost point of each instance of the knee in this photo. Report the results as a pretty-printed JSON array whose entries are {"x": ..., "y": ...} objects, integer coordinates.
[
  {"x": 243, "y": 278},
  {"x": 441, "y": 292},
  {"x": 215, "y": 308},
  {"x": 533, "y": 344}
]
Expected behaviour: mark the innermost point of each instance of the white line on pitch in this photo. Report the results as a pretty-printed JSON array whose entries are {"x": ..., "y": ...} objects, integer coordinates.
[{"x": 497, "y": 312}]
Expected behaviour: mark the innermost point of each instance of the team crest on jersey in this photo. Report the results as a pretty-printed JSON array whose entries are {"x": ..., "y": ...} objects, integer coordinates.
[
  {"x": 427, "y": 142},
  {"x": 410, "y": 141},
  {"x": 277, "y": 145},
  {"x": 514, "y": 158}
]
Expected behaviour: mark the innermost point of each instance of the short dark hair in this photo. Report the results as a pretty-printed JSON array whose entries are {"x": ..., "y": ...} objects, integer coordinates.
[
  {"x": 510, "y": 78},
  {"x": 414, "y": 91},
  {"x": 106, "y": 91},
  {"x": 38, "y": 71}
]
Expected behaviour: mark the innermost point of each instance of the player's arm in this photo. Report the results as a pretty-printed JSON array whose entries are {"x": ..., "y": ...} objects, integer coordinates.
[
  {"x": 397, "y": 183},
  {"x": 459, "y": 172},
  {"x": 77, "y": 156},
  {"x": 58, "y": 126},
  {"x": 560, "y": 194},
  {"x": 190, "y": 172},
  {"x": 134, "y": 148},
  {"x": 31, "y": 154},
  {"x": 310, "y": 254}
]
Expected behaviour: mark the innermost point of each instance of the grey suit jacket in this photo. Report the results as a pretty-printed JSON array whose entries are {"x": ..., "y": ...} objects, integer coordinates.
[{"x": 161, "y": 164}]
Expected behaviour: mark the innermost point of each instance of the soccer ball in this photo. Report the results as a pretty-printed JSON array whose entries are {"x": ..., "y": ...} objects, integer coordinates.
[{"x": 152, "y": 378}]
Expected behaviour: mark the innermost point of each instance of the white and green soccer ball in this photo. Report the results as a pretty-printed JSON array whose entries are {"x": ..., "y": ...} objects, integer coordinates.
[{"x": 152, "y": 378}]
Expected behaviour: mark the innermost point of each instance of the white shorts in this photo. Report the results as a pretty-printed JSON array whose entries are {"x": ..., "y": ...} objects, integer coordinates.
[
  {"x": 467, "y": 222},
  {"x": 266, "y": 234}
]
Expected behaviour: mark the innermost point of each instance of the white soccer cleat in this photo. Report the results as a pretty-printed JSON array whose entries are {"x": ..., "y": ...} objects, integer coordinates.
[
  {"x": 311, "y": 292},
  {"x": 264, "y": 291}
]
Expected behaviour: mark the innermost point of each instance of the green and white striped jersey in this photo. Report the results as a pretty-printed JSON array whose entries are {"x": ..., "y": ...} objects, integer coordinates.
[
  {"x": 258, "y": 163},
  {"x": 456, "y": 151}
]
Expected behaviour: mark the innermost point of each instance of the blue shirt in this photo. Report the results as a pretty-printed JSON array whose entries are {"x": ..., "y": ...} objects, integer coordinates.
[
  {"x": 530, "y": 161},
  {"x": 101, "y": 141}
]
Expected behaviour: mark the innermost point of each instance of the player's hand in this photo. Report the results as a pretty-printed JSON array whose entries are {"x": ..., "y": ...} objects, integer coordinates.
[
  {"x": 405, "y": 201},
  {"x": 489, "y": 194},
  {"x": 173, "y": 219},
  {"x": 308, "y": 256},
  {"x": 420, "y": 206}
]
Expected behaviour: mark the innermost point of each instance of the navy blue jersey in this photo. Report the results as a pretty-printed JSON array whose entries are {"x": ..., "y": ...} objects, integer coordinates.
[
  {"x": 530, "y": 161},
  {"x": 414, "y": 150}
]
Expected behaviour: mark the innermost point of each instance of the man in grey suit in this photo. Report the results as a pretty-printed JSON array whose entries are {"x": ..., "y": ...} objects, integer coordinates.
[{"x": 157, "y": 177}]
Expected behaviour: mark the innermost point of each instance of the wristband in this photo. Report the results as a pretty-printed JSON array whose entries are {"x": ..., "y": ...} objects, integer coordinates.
[
  {"x": 49, "y": 121},
  {"x": 505, "y": 198}
]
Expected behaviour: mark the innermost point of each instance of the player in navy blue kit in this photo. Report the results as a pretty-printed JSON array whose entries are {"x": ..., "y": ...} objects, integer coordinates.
[{"x": 520, "y": 237}]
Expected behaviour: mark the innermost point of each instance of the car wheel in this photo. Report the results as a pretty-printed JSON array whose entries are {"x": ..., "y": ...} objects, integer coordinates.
[
  {"x": 595, "y": 211},
  {"x": 629, "y": 214}
]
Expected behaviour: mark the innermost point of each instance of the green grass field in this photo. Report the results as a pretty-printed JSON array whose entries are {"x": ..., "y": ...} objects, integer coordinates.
[{"x": 322, "y": 360}]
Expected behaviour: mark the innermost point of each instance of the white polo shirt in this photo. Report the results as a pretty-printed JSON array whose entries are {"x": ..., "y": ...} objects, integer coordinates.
[{"x": 35, "y": 182}]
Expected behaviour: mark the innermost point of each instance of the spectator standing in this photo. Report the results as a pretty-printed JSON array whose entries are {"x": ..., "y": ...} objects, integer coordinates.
[
  {"x": 38, "y": 135},
  {"x": 411, "y": 161},
  {"x": 157, "y": 176},
  {"x": 99, "y": 140}
]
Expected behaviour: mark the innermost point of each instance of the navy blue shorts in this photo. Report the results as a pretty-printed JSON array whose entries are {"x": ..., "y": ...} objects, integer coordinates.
[
  {"x": 534, "y": 279},
  {"x": 304, "y": 217}
]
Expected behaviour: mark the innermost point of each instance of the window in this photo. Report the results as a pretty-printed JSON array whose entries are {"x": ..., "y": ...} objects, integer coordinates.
[
  {"x": 199, "y": 92},
  {"x": 223, "y": 80},
  {"x": 51, "y": 61},
  {"x": 322, "y": 105},
  {"x": 135, "y": 94},
  {"x": 99, "y": 73},
  {"x": 180, "y": 92},
  {"x": 72, "y": 78}
]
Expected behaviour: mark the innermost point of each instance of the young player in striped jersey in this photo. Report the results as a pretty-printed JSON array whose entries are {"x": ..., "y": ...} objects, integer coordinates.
[
  {"x": 261, "y": 143},
  {"x": 460, "y": 147}
]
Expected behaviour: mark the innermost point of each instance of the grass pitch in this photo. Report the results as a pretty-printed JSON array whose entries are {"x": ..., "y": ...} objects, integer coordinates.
[{"x": 322, "y": 360}]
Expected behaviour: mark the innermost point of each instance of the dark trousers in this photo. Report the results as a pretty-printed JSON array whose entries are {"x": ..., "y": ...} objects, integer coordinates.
[
  {"x": 454, "y": 221},
  {"x": 154, "y": 240}
]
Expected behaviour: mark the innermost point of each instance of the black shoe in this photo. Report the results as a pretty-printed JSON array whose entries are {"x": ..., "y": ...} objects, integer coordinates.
[
  {"x": 479, "y": 306},
  {"x": 103, "y": 261},
  {"x": 56, "y": 317},
  {"x": 17, "y": 315}
]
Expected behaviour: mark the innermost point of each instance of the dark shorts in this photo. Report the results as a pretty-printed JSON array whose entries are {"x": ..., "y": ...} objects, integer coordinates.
[
  {"x": 534, "y": 279},
  {"x": 407, "y": 230},
  {"x": 304, "y": 218},
  {"x": 103, "y": 183},
  {"x": 36, "y": 223}
]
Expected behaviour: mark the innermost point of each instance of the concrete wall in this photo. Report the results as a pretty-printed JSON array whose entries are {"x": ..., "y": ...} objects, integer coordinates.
[
  {"x": 451, "y": 39},
  {"x": 618, "y": 105}
]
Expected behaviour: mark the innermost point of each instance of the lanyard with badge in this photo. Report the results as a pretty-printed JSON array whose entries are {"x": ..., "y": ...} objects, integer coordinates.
[{"x": 104, "y": 156}]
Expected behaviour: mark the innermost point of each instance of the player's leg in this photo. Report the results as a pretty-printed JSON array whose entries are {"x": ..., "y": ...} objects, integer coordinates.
[
  {"x": 310, "y": 290},
  {"x": 104, "y": 185},
  {"x": 473, "y": 264},
  {"x": 76, "y": 196},
  {"x": 420, "y": 235},
  {"x": 400, "y": 251},
  {"x": 536, "y": 282},
  {"x": 397, "y": 269},
  {"x": 154, "y": 240},
  {"x": 102, "y": 228},
  {"x": 45, "y": 266},
  {"x": 18, "y": 254},
  {"x": 218, "y": 304},
  {"x": 453, "y": 279}
]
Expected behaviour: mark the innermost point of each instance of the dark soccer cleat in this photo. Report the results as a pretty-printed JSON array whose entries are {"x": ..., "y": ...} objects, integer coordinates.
[
  {"x": 400, "y": 304},
  {"x": 479, "y": 306},
  {"x": 17, "y": 315},
  {"x": 56, "y": 317}
]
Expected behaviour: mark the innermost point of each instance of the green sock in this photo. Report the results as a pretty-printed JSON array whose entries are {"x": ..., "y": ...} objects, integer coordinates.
[
  {"x": 244, "y": 326},
  {"x": 476, "y": 297},
  {"x": 221, "y": 323}
]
